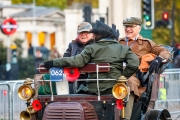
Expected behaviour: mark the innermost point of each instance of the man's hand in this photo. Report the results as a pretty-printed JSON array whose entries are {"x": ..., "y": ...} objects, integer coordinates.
[
  {"x": 48, "y": 64},
  {"x": 155, "y": 64}
]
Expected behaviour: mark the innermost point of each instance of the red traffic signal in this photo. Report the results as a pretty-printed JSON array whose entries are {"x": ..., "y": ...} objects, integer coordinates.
[{"x": 165, "y": 16}]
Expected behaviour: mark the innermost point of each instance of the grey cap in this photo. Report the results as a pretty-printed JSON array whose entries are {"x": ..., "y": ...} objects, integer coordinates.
[
  {"x": 132, "y": 21},
  {"x": 84, "y": 26}
]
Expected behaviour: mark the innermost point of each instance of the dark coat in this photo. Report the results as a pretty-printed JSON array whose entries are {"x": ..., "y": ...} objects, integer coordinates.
[
  {"x": 177, "y": 61},
  {"x": 75, "y": 47}
]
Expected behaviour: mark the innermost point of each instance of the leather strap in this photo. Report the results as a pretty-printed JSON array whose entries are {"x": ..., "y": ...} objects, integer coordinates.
[
  {"x": 155, "y": 88},
  {"x": 91, "y": 67},
  {"x": 154, "y": 92}
]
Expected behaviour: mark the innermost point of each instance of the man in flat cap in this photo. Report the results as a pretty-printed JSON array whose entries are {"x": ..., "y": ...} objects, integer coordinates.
[
  {"x": 83, "y": 38},
  {"x": 140, "y": 46},
  {"x": 75, "y": 47}
]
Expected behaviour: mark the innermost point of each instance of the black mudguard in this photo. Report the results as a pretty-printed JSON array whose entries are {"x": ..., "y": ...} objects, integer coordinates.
[{"x": 161, "y": 114}]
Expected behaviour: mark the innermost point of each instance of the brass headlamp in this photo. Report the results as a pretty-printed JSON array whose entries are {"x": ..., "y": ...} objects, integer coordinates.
[
  {"x": 26, "y": 92},
  {"x": 120, "y": 89}
]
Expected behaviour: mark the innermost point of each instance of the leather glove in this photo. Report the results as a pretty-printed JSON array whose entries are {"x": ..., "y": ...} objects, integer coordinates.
[
  {"x": 115, "y": 32},
  {"x": 48, "y": 64},
  {"x": 155, "y": 64}
]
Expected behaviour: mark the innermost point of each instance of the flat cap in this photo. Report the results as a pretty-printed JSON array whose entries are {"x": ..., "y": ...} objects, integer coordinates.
[
  {"x": 84, "y": 26},
  {"x": 132, "y": 21}
]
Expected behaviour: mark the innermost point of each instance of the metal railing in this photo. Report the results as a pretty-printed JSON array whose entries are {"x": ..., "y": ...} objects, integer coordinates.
[
  {"x": 5, "y": 112},
  {"x": 10, "y": 104},
  {"x": 169, "y": 92}
]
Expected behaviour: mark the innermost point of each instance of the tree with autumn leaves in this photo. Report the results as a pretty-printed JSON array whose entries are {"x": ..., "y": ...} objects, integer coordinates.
[
  {"x": 164, "y": 35},
  {"x": 62, "y": 4}
]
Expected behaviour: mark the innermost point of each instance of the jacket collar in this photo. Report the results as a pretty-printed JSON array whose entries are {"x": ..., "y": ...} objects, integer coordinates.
[
  {"x": 124, "y": 38},
  {"x": 107, "y": 40},
  {"x": 79, "y": 43}
]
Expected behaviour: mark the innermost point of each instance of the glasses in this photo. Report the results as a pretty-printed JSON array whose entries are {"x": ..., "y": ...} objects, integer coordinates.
[
  {"x": 84, "y": 32},
  {"x": 130, "y": 26}
]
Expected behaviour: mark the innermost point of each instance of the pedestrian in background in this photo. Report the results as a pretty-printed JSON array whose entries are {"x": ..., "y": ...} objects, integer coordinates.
[
  {"x": 177, "y": 56},
  {"x": 177, "y": 61},
  {"x": 177, "y": 50},
  {"x": 38, "y": 59},
  {"x": 54, "y": 53}
]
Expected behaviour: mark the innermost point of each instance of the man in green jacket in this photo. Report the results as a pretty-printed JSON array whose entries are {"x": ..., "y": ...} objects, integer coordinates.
[{"x": 106, "y": 49}]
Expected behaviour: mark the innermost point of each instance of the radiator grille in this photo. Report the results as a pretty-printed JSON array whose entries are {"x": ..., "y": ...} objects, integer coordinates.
[
  {"x": 89, "y": 111},
  {"x": 63, "y": 111}
]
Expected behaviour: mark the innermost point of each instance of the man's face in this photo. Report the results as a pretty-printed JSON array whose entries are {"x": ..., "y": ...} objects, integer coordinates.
[
  {"x": 132, "y": 31},
  {"x": 84, "y": 36}
]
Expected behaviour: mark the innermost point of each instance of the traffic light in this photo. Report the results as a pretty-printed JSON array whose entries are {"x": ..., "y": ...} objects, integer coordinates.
[
  {"x": 148, "y": 14},
  {"x": 13, "y": 53},
  {"x": 165, "y": 16},
  {"x": 87, "y": 13},
  {"x": 164, "y": 21}
]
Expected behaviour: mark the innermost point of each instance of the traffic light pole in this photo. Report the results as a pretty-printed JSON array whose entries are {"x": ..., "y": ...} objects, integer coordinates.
[
  {"x": 8, "y": 49},
  {"x": 8, "y": 64},
  {"x": 172, "y": 28}
]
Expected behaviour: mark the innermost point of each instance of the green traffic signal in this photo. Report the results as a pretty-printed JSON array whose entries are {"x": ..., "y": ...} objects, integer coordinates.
[{"x": 147, "y": 17}]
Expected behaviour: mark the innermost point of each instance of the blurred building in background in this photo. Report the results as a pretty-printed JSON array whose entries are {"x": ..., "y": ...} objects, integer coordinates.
[
  {"x": 37, "y": 26},
  {"x": 5, "y": 2},
  {"x": 42, "y": 26},
  {"x": 109, "y": 11},
  {"x": 118, "y": 10}
]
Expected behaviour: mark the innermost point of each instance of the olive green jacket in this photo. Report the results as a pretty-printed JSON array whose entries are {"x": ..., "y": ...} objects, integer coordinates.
[{"x": 105, "y": 50}]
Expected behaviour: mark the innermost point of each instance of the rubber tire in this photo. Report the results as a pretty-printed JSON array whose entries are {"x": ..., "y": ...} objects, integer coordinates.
[{"x": 161, "y": 114}]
